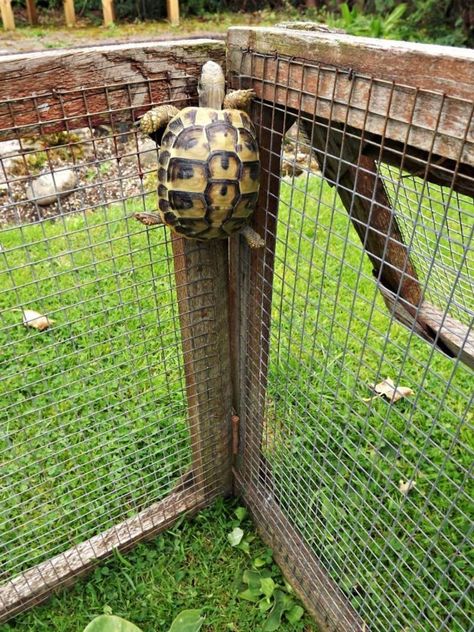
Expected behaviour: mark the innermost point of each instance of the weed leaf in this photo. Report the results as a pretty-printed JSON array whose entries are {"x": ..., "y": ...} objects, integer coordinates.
[
  {"x": 111, "y": 623},
  {"x": 295, "y": 614},
  {"x": 235, "y": 536},
  {"x": 187, "y": 621}
]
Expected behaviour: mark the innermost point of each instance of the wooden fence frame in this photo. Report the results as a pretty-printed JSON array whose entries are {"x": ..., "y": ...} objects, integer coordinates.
[
  {"x": 108, "y": 12},
  {"x": 201, "y": 269}
]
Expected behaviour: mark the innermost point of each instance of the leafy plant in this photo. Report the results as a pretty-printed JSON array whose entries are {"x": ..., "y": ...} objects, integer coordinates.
[
  {"x": 186, "y": 621},
  {"x": 259, "y": 585}
]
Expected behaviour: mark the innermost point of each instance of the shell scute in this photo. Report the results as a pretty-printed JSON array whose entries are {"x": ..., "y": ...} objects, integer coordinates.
[{"x": 209, "y": 173}]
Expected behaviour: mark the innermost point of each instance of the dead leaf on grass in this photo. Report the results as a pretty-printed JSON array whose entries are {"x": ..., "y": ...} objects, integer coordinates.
[
  {"x": 36, "y": 320},
  {"x": 406, "y": 486},
  {"x": 392, "y": 393}
]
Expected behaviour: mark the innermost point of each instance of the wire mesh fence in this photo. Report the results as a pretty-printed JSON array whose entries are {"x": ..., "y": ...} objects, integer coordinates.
[
  {"x": 350, "y": 333},
  {"x": 99, "y": 441},
  {"x": 357, "y": 441}
]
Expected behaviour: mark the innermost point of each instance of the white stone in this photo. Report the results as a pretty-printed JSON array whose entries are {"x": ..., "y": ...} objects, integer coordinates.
[
  {"x": 9, "y": 148},
  {"x": 49, "y": 187}
]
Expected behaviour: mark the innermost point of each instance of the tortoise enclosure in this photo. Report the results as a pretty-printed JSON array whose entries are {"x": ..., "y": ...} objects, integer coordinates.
[{"x": 326, "y": 378}]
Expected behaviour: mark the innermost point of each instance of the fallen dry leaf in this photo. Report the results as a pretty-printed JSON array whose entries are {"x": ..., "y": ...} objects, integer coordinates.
[
  {"x": 406, "y": 486},
  {"x": 36, "y": 320},
  {"x": 392, "y": 393}
]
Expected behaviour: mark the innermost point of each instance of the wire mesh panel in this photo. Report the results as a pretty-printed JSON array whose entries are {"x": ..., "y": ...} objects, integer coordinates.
[
  {"x": 102, "y": 417},
  {"x": 355, "y": 331}
]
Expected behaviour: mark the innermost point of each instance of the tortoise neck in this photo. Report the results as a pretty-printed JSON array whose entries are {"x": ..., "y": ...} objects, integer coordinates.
[{"x": 212, "y": 97}]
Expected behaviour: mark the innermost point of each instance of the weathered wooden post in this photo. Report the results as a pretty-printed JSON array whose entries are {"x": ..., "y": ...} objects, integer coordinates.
[
  {"x": 108, "y": 12},
  {"x": 172, "y": 8},
  {"x": 31, "y": 11},
  {"x": 69, "y": 13},
  {"x": 7, "y": 15}
]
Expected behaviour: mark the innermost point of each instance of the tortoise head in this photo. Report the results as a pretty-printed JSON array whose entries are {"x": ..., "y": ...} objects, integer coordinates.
[{"x": 211, "y": 86}]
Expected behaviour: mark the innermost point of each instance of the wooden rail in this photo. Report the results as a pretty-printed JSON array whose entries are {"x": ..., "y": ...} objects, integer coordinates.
[{"x": 108, "y": 12}]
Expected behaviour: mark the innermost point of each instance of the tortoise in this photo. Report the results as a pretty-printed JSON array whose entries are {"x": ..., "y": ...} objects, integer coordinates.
[{"x": 208, "y": 164}]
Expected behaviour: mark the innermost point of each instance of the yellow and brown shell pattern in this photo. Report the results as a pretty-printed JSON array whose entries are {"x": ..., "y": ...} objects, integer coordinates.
[{"x": 208, "y": 172}]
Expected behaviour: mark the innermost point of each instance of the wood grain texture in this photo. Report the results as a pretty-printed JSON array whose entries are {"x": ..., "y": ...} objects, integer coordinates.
[
  {"x": 320, "y": 594},
  {"x": 38, "y": 583},
  {"x": 411, "y": 93},
  {"x": 201, "y": 272},
  {"x": 172, "y": 10},
  {"x": 95, "y": 85}
]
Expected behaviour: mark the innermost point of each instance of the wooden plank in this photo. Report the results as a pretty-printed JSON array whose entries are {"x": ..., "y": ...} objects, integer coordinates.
[
  {"x": 38, "y": 583},
  {"x": 172, "y": 9},
  {"x": 80, "y": 87},
  {"x": 417, "y": 93},
  {"x": 108, "y": 12},
  {"x": 320, "y": 594},
  {"x": 364, "y": 197},
  {"x": 202, "y": 287},
  {"x": 7, "y": 15},
  {"x": 31, "y": 11},
  {"x": 69, "y": 13}
]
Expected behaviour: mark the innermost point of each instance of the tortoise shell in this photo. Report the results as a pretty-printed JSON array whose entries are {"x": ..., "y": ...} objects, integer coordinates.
[{"x": 208, "y": 172}]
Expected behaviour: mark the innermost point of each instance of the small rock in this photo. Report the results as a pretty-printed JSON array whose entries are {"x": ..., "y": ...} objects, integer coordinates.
[
  {"x": 50, "y": 186},
  {"x": 148, "y": 154},
  {"x": 9, "y": 148}
]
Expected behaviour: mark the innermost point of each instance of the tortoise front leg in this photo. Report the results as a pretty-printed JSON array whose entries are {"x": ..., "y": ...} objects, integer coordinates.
[
  {"x": 252, "y": 238},
  {"x": 239, "y": 100},
  {"x": 154, "y": 122}
]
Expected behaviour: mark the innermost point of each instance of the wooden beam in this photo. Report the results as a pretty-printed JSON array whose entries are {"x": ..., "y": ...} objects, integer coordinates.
[
  {"x": 201, "y": 273},
  {"x": 81, "y": 87},
  {"x": 38, "y": 583},
  {"x": 172, "y": 8},
  {"x": 413, "y": 93},
  {"x": 7, "y": 15},
  {"x": 69, "y": 13},
  {"x": 108, "y": 12},
  {"x": 31, "y": 11}
]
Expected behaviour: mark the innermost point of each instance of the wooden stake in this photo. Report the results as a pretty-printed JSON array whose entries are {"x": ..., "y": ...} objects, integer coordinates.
[
  {"x": 108, "y": 12},
  {"x": 69, "y": 13},
  {"x": 31, "y": 11},
  {"x": 7, "y": 15},
  {"x": 172, "y": 8},
  {"x": 201, "y": 272}
]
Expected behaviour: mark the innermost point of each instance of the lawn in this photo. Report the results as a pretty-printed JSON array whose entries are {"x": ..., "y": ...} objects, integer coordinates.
[
  {"x": 340, "y": 458},
  {"x": 192, "y": 565},
  {"x": 94, "y": 424}
]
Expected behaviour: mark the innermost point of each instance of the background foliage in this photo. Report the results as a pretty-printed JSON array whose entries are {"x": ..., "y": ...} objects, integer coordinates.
[{"x": 448, "y": 22}]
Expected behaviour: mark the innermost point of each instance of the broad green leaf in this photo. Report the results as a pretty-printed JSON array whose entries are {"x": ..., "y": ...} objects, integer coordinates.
[
  {"x": 252, "y": 578},
  {"x": 259, "y": 562},
  {"x": 244, "y": 546},
  {"x": 268, "y": 586},
  {"x": 241, "y": 512},
  {"x": 295, "y": 614},
  {"x": 187, "y": 621},
  {"x": 251, "y": 594},
  {"x": 264, "y": 605},
  {"x": 282, "y": 602},
  {"x": 235, "y": 536},
  {"x": 111, "y": 623}
]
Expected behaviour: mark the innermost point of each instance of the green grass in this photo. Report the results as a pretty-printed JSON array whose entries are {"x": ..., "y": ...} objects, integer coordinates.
[
  {"x": 94, "y": 428},
  {"x": 192, "y": 565},
  {"x": 93, "y": 410},
  {"x": 339, "y": 460}
]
